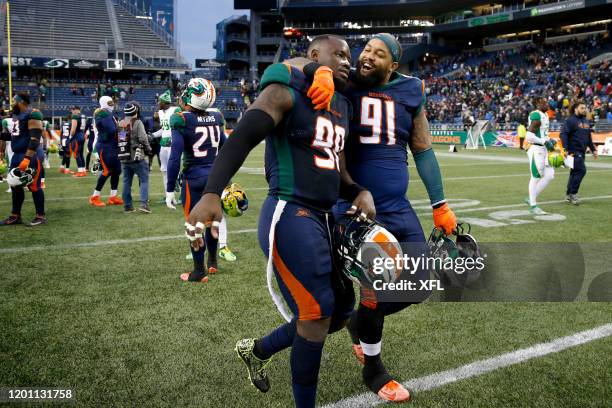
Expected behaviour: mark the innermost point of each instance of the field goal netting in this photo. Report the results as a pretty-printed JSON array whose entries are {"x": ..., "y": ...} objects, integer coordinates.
[{"x": 475, "y": 135}]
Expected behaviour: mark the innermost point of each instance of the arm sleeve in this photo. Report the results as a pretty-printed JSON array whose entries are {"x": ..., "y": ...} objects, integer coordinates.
[
  {"x": 429, "y": 171},
  {"x": 174, "y": 162},
  {"x": 591, "y": 144},
  {"x": 177, "y": 146},
  {"x": 564, "y": 135},
  {"x": 250, "y": 131}
]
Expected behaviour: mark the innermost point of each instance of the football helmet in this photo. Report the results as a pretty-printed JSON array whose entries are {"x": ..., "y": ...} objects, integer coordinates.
[
  {"x": 358, "y": 243},
  {"x": 234, "y": 200},
  {"x": 3, "y": 166},
  {"x": 199, "y": 93},
  {"x": 53, "y": 148},
  {"x": 555, "y": 159},
  {"x": 18, "y": 178},
  {"x": 450, "y": 254},
  {"x": 96, "y": 167}
]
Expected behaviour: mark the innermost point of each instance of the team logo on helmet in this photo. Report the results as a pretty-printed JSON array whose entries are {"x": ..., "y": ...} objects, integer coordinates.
[
  {"x": 357, "y": 247},
  {"x": 199, "y": 93},
  {"x": 18, "y": 178},
  {"x": 234, "y": 200},
  {"x": 3, "y": 167}
]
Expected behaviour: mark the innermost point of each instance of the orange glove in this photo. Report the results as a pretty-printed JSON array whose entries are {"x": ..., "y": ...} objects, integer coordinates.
[
  {"x": 24, "y": 163},
  {"x": 322, "y": 89},
  {"x": 445, "y": 219}
]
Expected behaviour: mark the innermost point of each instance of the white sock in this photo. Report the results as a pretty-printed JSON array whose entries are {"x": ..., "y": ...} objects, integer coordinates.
[
  {"x": 81, "y": 169},
  {"x": 222, "y": 233},
  {"x": 113, "y": 193},
  {"x": 371, "y": 349},
  {"x": 62, "y": 167},
  {"x": 549, "y": 175},
  {"x": 165, "y": 178},
  {"x": 533, "y": 187},
  {"x": 96, "y": 193}
]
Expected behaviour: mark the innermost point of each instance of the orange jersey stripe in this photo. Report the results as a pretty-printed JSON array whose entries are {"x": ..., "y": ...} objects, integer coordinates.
[
  {"x": 308, "y": 307},
  {"x": 187, "y": 200}
]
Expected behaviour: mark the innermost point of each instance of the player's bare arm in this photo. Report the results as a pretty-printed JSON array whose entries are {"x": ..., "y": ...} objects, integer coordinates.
[
  {"x": 363, "y": 204},
  {"x": 261, "y": 118}
]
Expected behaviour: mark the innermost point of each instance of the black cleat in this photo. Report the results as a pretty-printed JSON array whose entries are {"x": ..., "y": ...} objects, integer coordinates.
[
  {"x": 11, "y": 220},
  {"x": 37, "y": 221},
  {"x": 255, "y": 366}
]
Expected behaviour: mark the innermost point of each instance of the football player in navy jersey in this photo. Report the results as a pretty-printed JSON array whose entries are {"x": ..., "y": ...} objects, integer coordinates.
[
  {"x": 197, "y": 134},
  {"x": 303, "y": 169},
  {"x": 27, "y": 153},
  {"x": 77, "y": 139},
  {"x": 388, "y": 119}
]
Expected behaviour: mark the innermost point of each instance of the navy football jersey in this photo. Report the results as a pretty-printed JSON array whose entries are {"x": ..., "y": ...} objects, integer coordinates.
[
  {"x": 198, "y": 139},
  {"x": 301, "y": 156},
  {"x": 81, "y": 124},
  {"x": 106, "y": 123},
  {"x": 377, "y": 152},
  {"x": 21, "y": 140}
]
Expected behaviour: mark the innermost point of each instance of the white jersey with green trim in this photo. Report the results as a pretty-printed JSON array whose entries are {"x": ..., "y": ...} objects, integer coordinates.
[
  {"x": 164, "y": 122},
  {"x": 542, "y": 132},
  {"x": 11, "y": 125}
]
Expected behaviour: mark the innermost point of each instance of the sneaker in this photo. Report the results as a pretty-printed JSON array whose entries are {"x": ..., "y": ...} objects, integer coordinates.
[
  {"x": 573, "y": 199},
  {"x": 535, "y": 210},
  {"x": 227, "y": 254},
  {"x": 255, "y": 366},
  {"x": 128, "y": 210},
  {"x": 11, "y": 220},
  {"x": 188, "y": 277},
  {"x": 37, "y": 221},
  {"x": 96, "y": 201},
  {"x": 212, "y": 270},
  {"x": 145, "y": 208},
  {"x": 114, "y": 200},
  {"x": 394, "y": 392},
  {"x": 568, "y": 198}
]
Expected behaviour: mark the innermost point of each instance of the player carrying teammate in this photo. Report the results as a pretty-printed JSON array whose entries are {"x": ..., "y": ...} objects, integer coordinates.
[
  {"x": 108, "y": 151},
  {"x": 541, "y": 171},
  {"x": 303, "y": 162},
  {"x": 197, "y": 133},
  {"x": 27, "y": 153}
]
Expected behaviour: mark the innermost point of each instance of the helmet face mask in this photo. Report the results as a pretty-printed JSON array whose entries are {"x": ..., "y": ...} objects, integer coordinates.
[
  {"x": 357, "y": 245},
  {"x": 234, "y": 200},
  {"x": 199, "y": 94},
  {"x": 18, "y": 178}
]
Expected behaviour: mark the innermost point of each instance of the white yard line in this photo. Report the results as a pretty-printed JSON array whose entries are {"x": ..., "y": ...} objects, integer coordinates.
[
  {"x": 480, "y": 367},
  {"x": 488, "y": 157},
  {"x": 105, "y": 243}
]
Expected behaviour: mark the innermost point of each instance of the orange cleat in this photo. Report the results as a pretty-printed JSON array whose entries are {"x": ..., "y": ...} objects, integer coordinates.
[
  {"x": 61, "y": 170},
  {"x": 96, "y": 202},
  {"x": 114, "y": 200},
  {"x": 212, "y": 270},
  {"x": 358, "y": 352},
  {"x": 394, "y": 392},
  {"x": 185, "y": 278},
  {"x": 80, "y": 174},
  {"x": 43, "y": 185}
]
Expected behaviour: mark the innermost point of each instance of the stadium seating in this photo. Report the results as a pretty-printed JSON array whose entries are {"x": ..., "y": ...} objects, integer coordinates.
[
  {"x": 81, "y": 25},
  {"x": 136, "y": 35}
]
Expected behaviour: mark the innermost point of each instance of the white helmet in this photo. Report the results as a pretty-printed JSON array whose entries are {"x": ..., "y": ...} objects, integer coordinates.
[{"x": 199, "y": 93}]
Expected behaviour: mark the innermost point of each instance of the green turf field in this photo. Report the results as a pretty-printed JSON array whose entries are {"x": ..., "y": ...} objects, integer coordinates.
[{"x": 92, "y": 301}]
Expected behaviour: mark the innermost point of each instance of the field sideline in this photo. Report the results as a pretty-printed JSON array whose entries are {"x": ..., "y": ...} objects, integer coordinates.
[{"x": 92, "y": 301}]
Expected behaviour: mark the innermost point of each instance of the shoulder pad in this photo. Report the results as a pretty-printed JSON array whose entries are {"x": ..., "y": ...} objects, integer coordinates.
[
  {"x": 177, "y": 120},
  {"x": 36, "y": 115},
  {"x": 284, "y": 74},
  {"x": 76, "y": 117},
  {"x": 410, "y": 91}
]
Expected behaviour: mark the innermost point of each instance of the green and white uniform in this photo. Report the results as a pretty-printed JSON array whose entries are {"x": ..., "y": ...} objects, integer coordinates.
[
  {"x": 12, "y": 126},
  {"x": 166, "y": 135},
  {"x": 537, "y": 153}
]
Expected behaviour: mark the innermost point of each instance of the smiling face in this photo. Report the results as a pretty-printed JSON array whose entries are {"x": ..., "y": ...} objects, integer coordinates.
[
  {"x": 375, "y": 64},
  {"x": 335, "y": 53}
]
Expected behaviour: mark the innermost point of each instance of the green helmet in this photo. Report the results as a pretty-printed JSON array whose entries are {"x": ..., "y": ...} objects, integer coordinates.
[
  {"x": 555, "y": 159},
  {"x": 165, "y": 97},
  {"x": 234, "y": 200},
  {"x": 3, "y": 167}
]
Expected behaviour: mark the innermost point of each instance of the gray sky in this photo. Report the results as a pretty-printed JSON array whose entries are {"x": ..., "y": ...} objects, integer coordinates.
[{"x": 197, "y": 20}]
